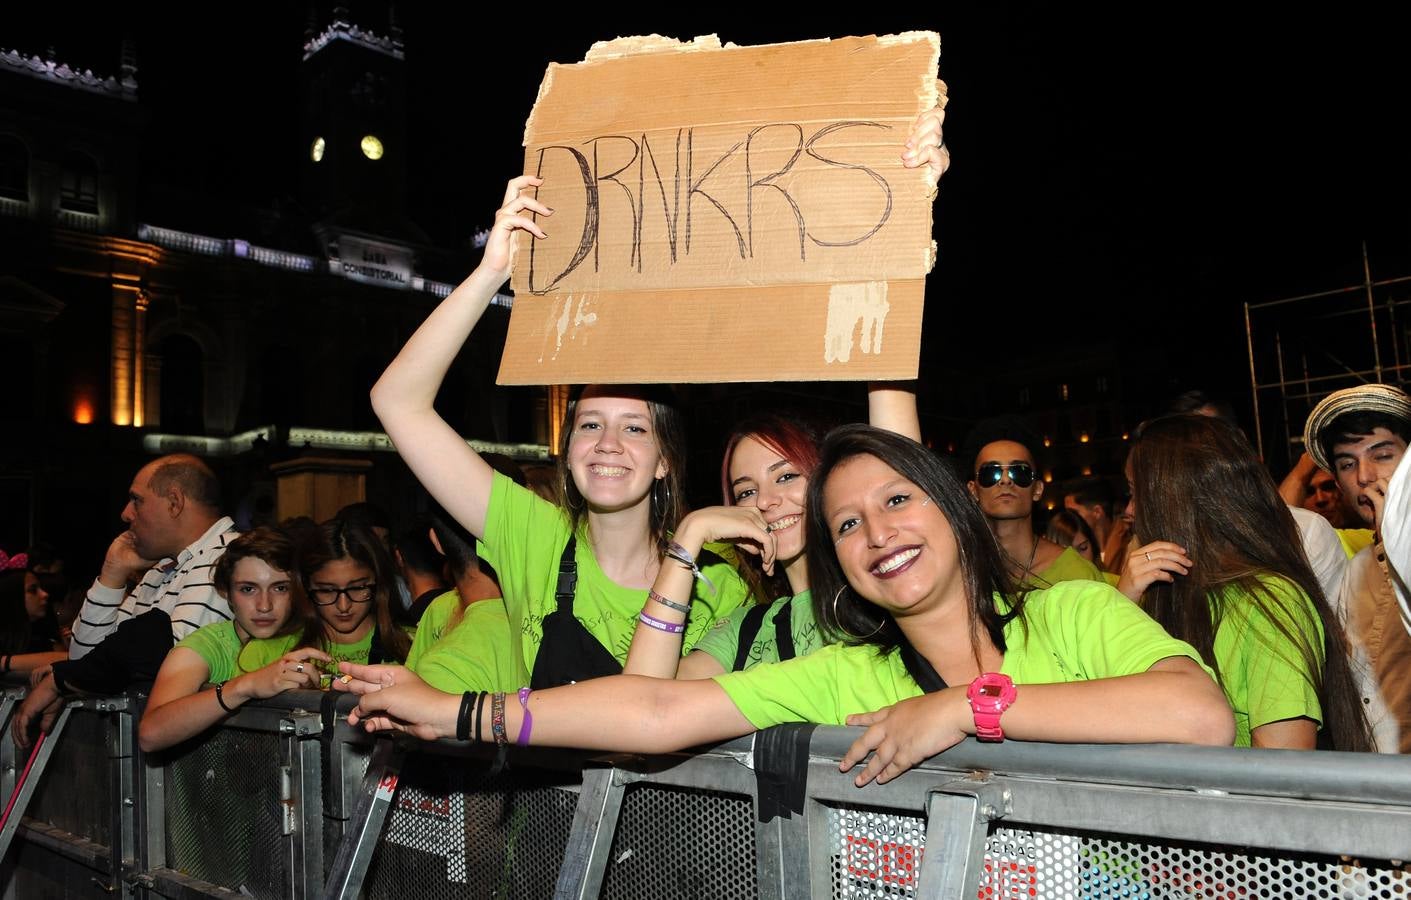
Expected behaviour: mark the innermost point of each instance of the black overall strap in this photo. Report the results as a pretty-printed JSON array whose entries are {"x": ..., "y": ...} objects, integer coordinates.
[
  {"x": 920, "y": 669},
  {"x": 568, "y": 576},
  {"x": 749, "y": 630},
  {"x": 784, "y": 632}
]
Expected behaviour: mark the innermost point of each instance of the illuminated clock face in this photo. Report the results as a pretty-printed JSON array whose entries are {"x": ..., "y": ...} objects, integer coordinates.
[
  {"x": 316, "y": 151},
  {"x": 372, "y": 147}
]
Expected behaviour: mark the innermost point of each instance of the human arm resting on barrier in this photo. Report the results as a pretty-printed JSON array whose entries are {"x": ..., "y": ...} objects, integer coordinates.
[
  {"x": 1175, "y": 701},
  {"x": 179, "y": 709},
  {"x": 403, "y": 397},
  {"x": 621, "y": 712},
  {"x": 26, "y": 663}
]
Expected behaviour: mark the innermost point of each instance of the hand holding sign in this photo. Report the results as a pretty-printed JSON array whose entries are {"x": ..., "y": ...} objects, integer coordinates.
[{"x": 510, "y": 219}]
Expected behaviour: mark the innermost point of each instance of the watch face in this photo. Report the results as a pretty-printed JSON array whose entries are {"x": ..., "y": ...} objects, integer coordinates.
[
  {"x": 316, "y": 151},
  {"x": 372, "y": 147},
  {"x": 991, "y": 690}
]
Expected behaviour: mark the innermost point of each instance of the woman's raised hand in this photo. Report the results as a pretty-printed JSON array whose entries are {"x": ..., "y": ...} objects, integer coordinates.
[
  {"x": 743, "y": 526},
  {"x": 1157, "y": 561},
  {"x": 927, "y": 144},
  {"x": 513, "y": 216}
]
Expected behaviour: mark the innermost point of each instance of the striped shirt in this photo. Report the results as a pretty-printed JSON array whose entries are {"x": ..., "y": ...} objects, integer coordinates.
[{"x": 180, "y": 587}]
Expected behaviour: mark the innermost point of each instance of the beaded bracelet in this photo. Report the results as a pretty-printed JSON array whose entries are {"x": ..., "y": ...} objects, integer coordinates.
[
  {"x": 528, "y": 723},
  {"x": 669, "y": 604},
  {"x": 660, "y": 624},
  {"x": 220, "y": 698},
  {"x": 497, "y": 717},
  {"x": 683, "y": 556}
]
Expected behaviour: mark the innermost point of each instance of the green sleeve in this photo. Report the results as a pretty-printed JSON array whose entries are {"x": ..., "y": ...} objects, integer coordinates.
[
  {"x": 218, "y": 645},
  {"x": 1261, "y": 650},
  {"x": 432, "y": 625},
  {"x": 1084, "y": 630},
  {"x": 475, "y": 655},
  {"x": 1067, "y": 566},
  {"x": 825, "y": 687}
]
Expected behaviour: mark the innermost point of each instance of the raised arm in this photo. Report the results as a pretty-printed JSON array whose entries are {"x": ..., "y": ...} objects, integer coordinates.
[
  {"x": 892, "y": 405},
  {"x": 656, "y": 644},
  {"x": 403, "y": 397},
  {"x": 1294, "y": 488},
  {"x": 179, "y": 709}
]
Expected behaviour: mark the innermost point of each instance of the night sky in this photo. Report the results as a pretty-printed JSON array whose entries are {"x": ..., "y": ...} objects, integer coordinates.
[{"x": 1114, "y": 178}]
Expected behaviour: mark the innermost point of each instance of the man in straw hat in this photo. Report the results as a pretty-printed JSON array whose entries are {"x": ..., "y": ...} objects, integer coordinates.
[{"x": 1360, "y": 434}]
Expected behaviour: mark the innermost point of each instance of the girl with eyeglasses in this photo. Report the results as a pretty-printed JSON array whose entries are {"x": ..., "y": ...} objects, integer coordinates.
[
  {"x": 350, "y": 578},
  {"x": 1221, "y": 566},
  {"x": 252, "y": 656},
  {"x": 764, "y": 479},
  {"x": 936, "y": 645}
]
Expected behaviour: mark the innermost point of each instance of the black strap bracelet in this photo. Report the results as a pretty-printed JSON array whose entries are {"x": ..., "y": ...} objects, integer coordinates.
[
  {"x": 479, "y": 712},
  {"x": 220, "y": 698},
  {"x": 463, "y": 716},
  {"x": 6, "y": 669}
]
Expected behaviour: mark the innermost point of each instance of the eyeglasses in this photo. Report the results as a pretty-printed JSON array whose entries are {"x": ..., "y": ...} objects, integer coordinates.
[
  {"x": 357, "y": 593},
  {"x": 991, "y": 474}
]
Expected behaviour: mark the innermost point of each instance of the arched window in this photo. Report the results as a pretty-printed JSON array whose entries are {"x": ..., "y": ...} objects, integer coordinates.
[
  {"x": 78, "y": 185},
  {"x": 14, "y": 169},
  {"x": 183, "y": 385}
]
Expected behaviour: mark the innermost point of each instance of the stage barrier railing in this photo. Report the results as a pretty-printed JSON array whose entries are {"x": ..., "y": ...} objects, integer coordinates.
[{"x": 284, "y": 799}]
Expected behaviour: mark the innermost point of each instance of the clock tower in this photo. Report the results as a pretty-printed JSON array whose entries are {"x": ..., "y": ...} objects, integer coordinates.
[{"x": 352, "y": 88}]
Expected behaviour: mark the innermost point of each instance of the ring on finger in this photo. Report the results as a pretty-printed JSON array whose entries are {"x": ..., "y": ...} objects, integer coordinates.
[
  {"x": 298, "y": 667},
  {"x": 1148, "y": 556}
]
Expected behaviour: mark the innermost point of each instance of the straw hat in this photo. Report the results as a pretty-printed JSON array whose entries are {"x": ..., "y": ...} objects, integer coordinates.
[{"x": 1373, "y": 398}]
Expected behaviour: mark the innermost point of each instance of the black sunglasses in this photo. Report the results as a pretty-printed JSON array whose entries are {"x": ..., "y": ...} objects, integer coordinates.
[{"x": 991, "y": 474}]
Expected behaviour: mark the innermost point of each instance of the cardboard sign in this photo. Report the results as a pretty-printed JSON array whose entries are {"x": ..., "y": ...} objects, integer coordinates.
[{"x": 726, "y": 214}]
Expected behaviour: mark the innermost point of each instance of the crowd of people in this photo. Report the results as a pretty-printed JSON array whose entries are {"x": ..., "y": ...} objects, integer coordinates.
[{"x": 847, "y": 576}]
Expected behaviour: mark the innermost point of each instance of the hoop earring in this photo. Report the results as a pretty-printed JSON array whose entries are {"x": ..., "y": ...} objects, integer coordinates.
[{"x": 839, "y": 622}]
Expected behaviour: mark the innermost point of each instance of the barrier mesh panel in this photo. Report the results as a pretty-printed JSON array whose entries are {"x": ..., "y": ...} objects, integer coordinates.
[
  {"x": 225, "y": 819},
  {"x": 75, "y": 793},
  {"x": 874, "y": 853},
  {"x": 1022, "y": 862},
  {"x": 456, "y": 831},
  {"x": 877, "y": 854},
  {"x": 682, "y": 843}
]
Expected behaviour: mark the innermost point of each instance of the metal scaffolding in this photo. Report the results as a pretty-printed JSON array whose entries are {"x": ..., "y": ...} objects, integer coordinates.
[{"x": 1303, "y": 348}]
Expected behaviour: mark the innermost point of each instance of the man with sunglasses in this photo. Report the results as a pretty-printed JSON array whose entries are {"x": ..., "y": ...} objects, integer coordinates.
[{"x": 1005, "y": 482}]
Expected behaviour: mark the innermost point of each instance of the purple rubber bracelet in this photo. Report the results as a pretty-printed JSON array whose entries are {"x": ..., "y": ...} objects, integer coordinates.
[
  {"x": 659, "y": 624},
  {"x": 528, "y": 723}
]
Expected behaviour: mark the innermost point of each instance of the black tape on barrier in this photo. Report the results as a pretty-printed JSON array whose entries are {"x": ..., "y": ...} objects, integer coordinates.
[{"x": 781, "y": 769}]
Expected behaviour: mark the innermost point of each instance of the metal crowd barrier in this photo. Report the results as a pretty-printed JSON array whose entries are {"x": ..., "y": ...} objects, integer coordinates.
[{"x": 285, "y": 800}]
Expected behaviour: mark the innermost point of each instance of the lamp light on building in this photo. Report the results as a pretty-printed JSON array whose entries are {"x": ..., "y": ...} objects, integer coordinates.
[
  {"x": 371, "y": 146},
  {"x": 1048, "y": 441},
  {"x": 316, "y": 151},
  {"x": 83, "y": 409},
  {"x": 1083, "y": 438},
  {"x": 1048, "y": 477}
]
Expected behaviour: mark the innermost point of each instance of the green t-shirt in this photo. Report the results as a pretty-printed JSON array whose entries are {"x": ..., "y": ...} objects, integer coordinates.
[
  {"x": 227, "y": 657},
  {"x": 723, "y": 641},
  {"x": 1262, "y": 672},
  {"x": 524, "y": 538},
  {"x": 1077, "y": 631},
  {"x": 475, "y": 655},
  {"x": 432, "y": 625},
  {"x": 1067, "y": 566}
]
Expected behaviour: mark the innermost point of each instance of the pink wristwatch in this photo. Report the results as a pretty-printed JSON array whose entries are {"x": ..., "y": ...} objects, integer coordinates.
[{"x": 990, "y": 695}]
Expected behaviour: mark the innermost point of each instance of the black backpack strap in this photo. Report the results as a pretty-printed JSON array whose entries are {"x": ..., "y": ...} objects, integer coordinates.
[
  {"x": 920, "y": 669},
  {"x": 568, "y": 576},
  {"x": 749, "y": 630},
  {"x": 784, "y": 632}
]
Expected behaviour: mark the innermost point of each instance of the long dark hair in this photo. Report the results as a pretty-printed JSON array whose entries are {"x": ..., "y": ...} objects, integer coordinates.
[
  {"x": 1198, "y": 483},
  {"x": 276, "y": 549},
  {"x": 17, "y": 633},
  {"x": 795, "y": 438},
  {"x": 858, "y": 621},
  {"x": 335, "y": 540},
  {"x": 668, "y": 504}
]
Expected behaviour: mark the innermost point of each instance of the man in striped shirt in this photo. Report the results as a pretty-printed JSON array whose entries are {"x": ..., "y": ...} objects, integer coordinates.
[{"x": 173, "y": 517}]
